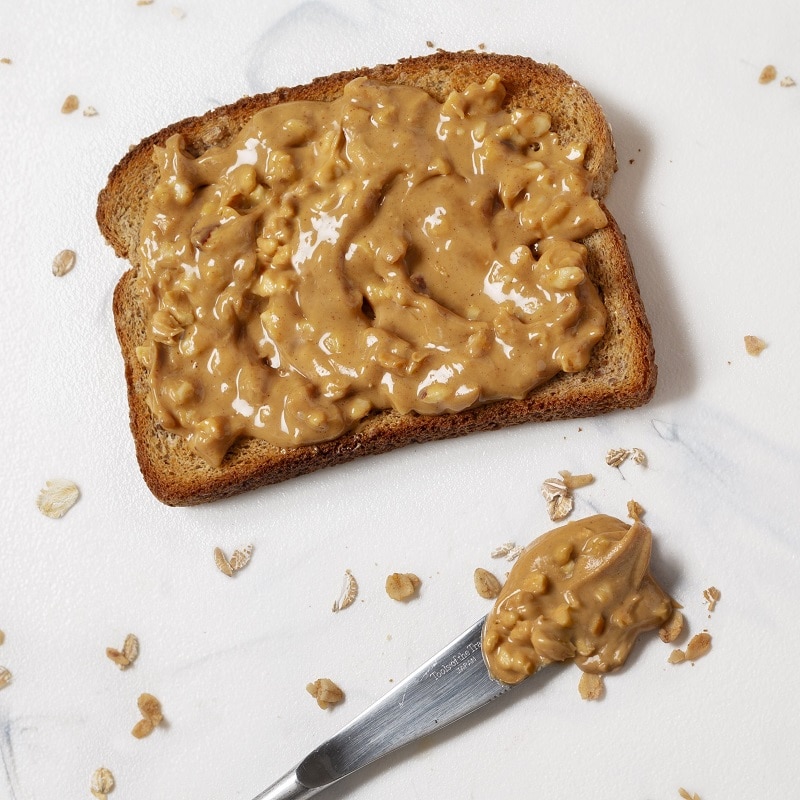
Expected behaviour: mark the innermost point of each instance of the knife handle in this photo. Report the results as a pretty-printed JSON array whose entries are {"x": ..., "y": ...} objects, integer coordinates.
[{"x": 288, "y": 788}]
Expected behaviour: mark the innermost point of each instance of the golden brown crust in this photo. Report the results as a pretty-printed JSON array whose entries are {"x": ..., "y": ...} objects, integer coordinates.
[{"x": 621, "y": 373}]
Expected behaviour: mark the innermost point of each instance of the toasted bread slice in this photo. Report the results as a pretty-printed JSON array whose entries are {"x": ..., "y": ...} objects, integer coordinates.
[{"x": 621, "y": 372}]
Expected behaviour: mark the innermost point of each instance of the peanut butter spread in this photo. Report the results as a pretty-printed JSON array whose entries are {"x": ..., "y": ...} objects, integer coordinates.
[
  {"x": 581, "y": 592},
  {"x": 381, "y": 251}
]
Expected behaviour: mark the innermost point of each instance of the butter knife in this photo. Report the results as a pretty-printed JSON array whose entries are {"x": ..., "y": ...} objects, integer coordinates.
[{"x": 452, "y": 684}]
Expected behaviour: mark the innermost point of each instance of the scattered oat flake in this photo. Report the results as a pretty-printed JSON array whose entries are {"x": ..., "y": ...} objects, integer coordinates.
[
  {"x": 221, "y": 560},
  {"x": 639, "y": 457},
  {"x": 486, "y": 584},
  {"x": 348, "y": 594},
  {"x": 144, "y": 2},
  {"x": 90, "y": 111},
  {"x": 554, "y": 487},
  {"x": 63, "y": 263},
  {"x": 591, "y": 686},
  {"x": 129, "y": 653},
  {"x": 241, "y": 558},
  {"x": 558, "y": 497},
  {"x": 712, "y": 596},
  {"x": 699, "y": 645},
  {"x": 510, "y": 551},
  {"x": 325, "y": 692},
  {"x": 575, "y": 481},
  {"x": 788, "y": 81},
  {"x": 131, "y": 647},
  {"x": 767, "y": 74},
  {"x": 754, "y": 345},
  {"x": 102, "y": 782},
  {"x": 142, "y": 728},
  {"x": 686, "y": 796},
  {"x": 70, "y": 104},
  {"x": 57, "y": 497},
  {"x": 118, "y": 657},
  {"x": 560, "y": 507},
  {"x": 5, "y": 677},
  {"x": 402, "y": 586},
  {"x": 5, "y": 60},
  {"x": 677, "y": 656},
  {"x": 2, "y": 637},
  {"x": 514, "y": 552},
  {"x": 672, "y": 629},
  {"x": 150, "y": 707},
  {"x": 617, "y": 456},
  {"x": 152, "y": 716}
]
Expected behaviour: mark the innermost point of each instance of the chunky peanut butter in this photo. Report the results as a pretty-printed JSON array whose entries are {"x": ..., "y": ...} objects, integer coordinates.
[
  {"x": 580, "y": 592},
  {"x": 381, "y": 251}
]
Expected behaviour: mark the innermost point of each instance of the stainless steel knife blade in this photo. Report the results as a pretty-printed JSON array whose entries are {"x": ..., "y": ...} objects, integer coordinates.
[{"x": 450, "y": 685}]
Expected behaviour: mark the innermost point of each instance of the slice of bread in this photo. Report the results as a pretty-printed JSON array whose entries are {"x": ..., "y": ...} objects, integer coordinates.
[{"x": 621, "y": 372}]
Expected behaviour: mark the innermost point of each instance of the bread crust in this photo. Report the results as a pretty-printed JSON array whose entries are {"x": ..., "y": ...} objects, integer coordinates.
[{"x": 622, "y": 370}]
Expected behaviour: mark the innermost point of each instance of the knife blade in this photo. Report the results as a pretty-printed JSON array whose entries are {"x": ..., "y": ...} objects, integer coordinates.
[{"x": 455, "y": 682}]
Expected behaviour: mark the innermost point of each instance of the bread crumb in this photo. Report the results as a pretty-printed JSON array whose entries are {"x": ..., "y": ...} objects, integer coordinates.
[
  {"x": 70, "y": 104},
  {"x": 102, "y": 783},
  {"x": 486, "y": 584},
  {"x": 429, "y": 43},
  {"x": 591, "y": 686},
  {"x": 2, "y": 637},
  {"x": 712, "y": 596},
  {"x": 788, "y": 81},
  {"x": 57, "y": 497},
  {"x": 754, "y": 345},
  {"x": 481, "y": 45},
  {"x": 673, "y": 627},
  {"x": 152, "y": 715},
  {"x": 5, "y": 60},
  {"x": 402, "y": 586},
  {"x": 5, "y": 677},
  {"x": 767, "y": 74},
  {"x": 558, "y": 497},
  {"x": 129, "y": 653},
  {"x": 63, "y": 263},
  {"x": 90, "y": 111},
  {"x": 325, "y": 692},
  {"x": 348, "y": 594}
]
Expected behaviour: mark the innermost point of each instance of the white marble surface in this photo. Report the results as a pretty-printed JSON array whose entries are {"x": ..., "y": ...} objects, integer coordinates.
[{"x": 707, "y": 192}]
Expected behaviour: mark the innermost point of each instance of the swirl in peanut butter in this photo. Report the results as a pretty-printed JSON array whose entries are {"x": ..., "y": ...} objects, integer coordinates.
[
  {"x": 582, "y": 592},
  {"x": 381, "y": 251}
]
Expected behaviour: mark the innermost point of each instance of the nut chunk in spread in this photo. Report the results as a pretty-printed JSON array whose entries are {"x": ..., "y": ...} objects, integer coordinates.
[
  {"x": 379, "y": 251},
  {"x": 582, "y": 592}
]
